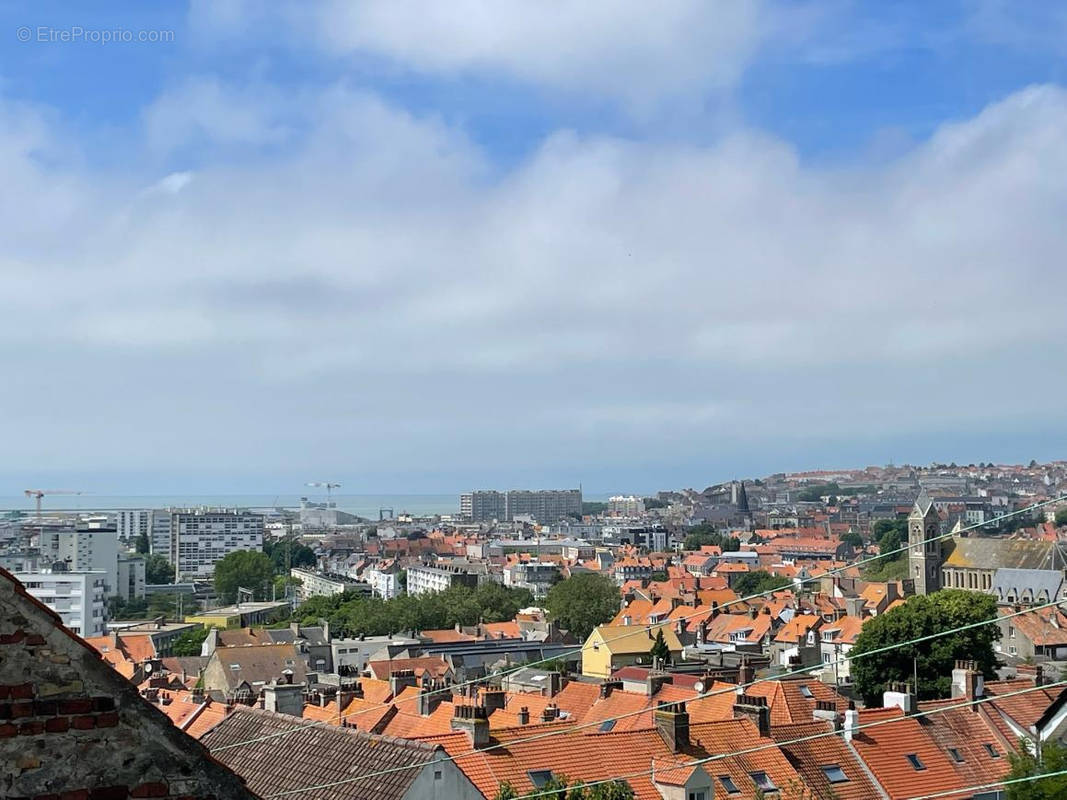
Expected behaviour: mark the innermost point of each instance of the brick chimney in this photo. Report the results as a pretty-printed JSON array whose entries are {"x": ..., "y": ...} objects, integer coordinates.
[
  {"x": 745, "y": 673},
  {"x": 654, "y": 682},
  {"x": 550, "y": 713},
  {"x": 474, "y": 721},
  {"x": 672, "y": 722},
  {"x": 524, "y": 716},
  {"x": 429, "y": 698},
  {"x": 400, "y": 680},
  {"x": 755, "y": 709},
  {"x": 967, "y": 682},
  {"x": 607, "y": 687}
]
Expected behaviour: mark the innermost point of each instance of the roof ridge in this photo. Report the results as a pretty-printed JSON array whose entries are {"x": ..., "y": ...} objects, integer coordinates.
[{"x": 346, "y": 730}]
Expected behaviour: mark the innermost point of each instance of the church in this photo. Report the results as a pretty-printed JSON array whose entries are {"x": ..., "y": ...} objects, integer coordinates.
[{"x": 960, "y": 561}]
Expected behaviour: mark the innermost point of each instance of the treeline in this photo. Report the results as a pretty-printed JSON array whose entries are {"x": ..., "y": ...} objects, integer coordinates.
[
  {"x": 834, "y": 490},
  {"x": 350, "y": 614}
]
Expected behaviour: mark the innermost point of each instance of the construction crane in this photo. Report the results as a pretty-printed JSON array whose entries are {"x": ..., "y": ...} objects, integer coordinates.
[{"x": 37, "y": 494}]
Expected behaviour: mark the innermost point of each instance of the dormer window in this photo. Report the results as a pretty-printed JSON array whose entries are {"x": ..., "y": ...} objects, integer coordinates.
[{"x": 804, "y": 690}]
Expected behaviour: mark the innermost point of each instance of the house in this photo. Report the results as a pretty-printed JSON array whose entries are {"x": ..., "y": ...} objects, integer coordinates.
[
  {"x": 610, "y": 647},
  {"x": 74, "y": 728},
  {"x": 1027, "y": 587},
  {"x": 240, "y": 673},
  {"x": 312, "y": 756},
  {"x": 699, "y": 563},
  {"x": 1039, "y": 633},
  {"x": 798, "y": 638},
  {"x": 836, "y": 640}
]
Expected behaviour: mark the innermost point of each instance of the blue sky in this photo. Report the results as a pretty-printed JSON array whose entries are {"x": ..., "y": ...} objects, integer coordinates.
[{"x": 424, "y": 247}]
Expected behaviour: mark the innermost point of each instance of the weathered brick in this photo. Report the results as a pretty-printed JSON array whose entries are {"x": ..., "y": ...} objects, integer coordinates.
[
  {"x": 34, "y": 727},
  {"x": 83, "y": 723},
  {"x": 155, "y": 789},
  {"x": 21, "y": 691},
  {"x": 57, "y": 725},
  {"x": 109, "y": 793},
  {"x": 5, "y": 692},
  {"x": 35, "y": 640},
  {"x": 75, "y": 794},
  {"x": 12, "y": 638},
  {"x": 7, "y": 729},
  {"x": 5, "y": 710},
  {"x": 103, "y": 704},
  {"x": 46, "y": 797},
  {"x": 109, "y": 719},
  {"x": 24, "y": 709},
  {"x": 45, "y": 708},
  {"x": 79, "y": 705}
]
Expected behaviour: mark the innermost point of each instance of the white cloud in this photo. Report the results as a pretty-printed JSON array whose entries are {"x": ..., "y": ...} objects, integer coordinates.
[{"x": 379, "y": 290}]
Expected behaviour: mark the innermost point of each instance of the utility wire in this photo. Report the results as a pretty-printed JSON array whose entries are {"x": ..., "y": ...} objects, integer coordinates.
[
  {"x": 651, "y": 627},
  {"x": 1008, "y": 782},
  {"x": 581, "y": 726}
]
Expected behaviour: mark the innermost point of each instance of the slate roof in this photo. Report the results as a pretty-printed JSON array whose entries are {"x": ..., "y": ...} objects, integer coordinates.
[
  {"x": 259, "y": 663},
  {"x": 315, "y": 755},
  {"x": 1027, "y": 585},
  {"x": 976, "y": 552}
]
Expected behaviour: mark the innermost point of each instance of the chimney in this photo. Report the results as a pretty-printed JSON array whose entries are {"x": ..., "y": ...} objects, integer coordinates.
[
  {"x": 967, "y": 682},
  {"x": 900, "y": 695},
  {"x": 626, "y": 620},
  {"x": 854, "y": 606},
  {"x": 284, "y": 698},
  {"x": 654, "y": 682},
  {"x": 714, "y": 609},
  {"x": 756, "y": 710},
  {"x": 400, "y": 680},
  {"x": 428, "y": 699},
  {"x": 494, "y": 699},
  {"x": 826, "y": 710},
  {"x": 753, "y": 612},
  {"x": 1039, "y": 676},
  {"x": 607, "y": 687},
  {"x": 473, "y": 721},
  {"x": 852, "y": 721},
  {"x": 553, "y": 685},
  {"x": 550, "y": 713},
  {"x": 672, "y": 721},
  {"x": 287, "y": 676},
  {"x": 745, "y": 673},
  {"x": 524, "y": 716}
]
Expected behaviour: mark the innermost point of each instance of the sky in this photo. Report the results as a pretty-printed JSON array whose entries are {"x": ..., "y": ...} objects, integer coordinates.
[{"x": 421, "y": 247}]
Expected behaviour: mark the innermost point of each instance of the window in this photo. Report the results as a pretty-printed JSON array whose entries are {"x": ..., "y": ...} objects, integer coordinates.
[
  {"x": 989, "y": 748},
  {"x": 607, "y": 725},
  {"x": 729, "y": 785},
  {"x": 916, "y": 762},
  {"x": 698, "y": 795},
  {"x": 437, "y": 774},
  {"x": 539, "y": 777},
  {"x": 804, "y": 690},
  {"x": 834, "y": 773},
  {"x": 762, "y": 781},
  {"x": 952, "y": 751}
]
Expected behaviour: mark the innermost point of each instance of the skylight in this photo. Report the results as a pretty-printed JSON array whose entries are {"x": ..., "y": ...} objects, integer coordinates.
[
  {"x": 607, "y": 725},
  {"x": 728, "y": 784},
  {"x": 991, "y": 750},
  {"x": 952, "y": 751},
  {"x": 834, "y": 774},
  {"x": 539, "y": 777},
  {"x": 916, "y": 761},
  {"x": 762, "y": 781},
  {"x": 804, "y": 690}
]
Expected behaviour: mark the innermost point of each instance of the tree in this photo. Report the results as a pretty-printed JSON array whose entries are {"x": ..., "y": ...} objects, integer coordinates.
[
  {"x": 705, "y": 534},
  {"x": 251, "y": 569},
  {"x": 582, "y": 602},
  {"x": 853, "y": 538},
  {"x": 933, "y": 659},
  {"x": 506, "y": 792},
  {"x": 140, "y": 543},
  {"x": 758, "y": 582},
  {"x": 302, "y": 556},
  {"x": 891, "y": 536},
  {"x": 559, "y": 787},
  {"x": 188, "y": 643},
  {"x": 1061, "y": 517},
  {"x": 117, "y": 608},
  {"x": 157, "y": 570},
  {"x": 659, "y": 649},
  {"x": 1025, "y": 764}
]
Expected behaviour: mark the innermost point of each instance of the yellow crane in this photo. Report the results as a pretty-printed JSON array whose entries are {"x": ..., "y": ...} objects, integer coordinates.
[{"x": 37, "y": 494}]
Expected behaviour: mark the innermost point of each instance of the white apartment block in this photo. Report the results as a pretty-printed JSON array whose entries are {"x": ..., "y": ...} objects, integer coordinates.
[
  {"x": 201, "y": 538},
  {"x": 159, "y": 536},
  {"x": 626, "y": 505},
  {"x": 78, "y": 597},
  {"x": 384, "y": 582},
  {"x": 82, "y": 550},
  {"x": 318, "y": 584},
  {"x": 423, "y": 579},
  {"x": 131, "y": 577},
  {"x": 131, "y": 524}
]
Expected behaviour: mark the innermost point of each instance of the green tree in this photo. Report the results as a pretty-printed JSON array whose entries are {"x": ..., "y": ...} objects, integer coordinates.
[
  {"x": 582, "y": 602},
  {"x": 157, "y": 570},
  {"x": 140, "y": 543},
  {"x": 758, "y": 582},
  {"x": 932, "y": 660},
  {"x": 302, "y": 556},
  {"x": 187, "y": 643},
  {"x": 251, "y": 569},
  {"x": 659, "y": 648},
  {"x": 1025, "y": 764},
  {"x": 1061, "y": 517},
  {"x": 705, "y": 534},
  {"x": 506, "y": 792},
  {"x": 118, "y": 608},
  {"x": 891, "y": 536},
  {"x": 853, "y": 538}
]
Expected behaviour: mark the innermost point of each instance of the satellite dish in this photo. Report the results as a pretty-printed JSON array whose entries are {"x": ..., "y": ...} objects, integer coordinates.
[
  {"x": 147, "y": 667},
  {"x": 699, "y": 686}
]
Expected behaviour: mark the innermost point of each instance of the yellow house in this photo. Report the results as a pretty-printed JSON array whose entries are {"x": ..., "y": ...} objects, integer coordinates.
[{"x": 610, "y": 647}]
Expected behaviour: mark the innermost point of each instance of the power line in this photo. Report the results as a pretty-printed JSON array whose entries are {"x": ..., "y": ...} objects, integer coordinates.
[
  {"x": 651, "y": 627},
  {"x": 571, "y": 729},
  {"x": 979, "y": 787}
]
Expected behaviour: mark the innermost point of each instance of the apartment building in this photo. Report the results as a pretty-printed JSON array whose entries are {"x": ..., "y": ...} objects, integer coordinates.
[
  {"x": 200, "y": 538},
  {"x": 425, "y": 579},
  {"x": 321, "y": 584},
  {"x": 545, "y": 506},
  {"x": 83, "y": 549},
  {"x": 131, "y": 577},
  {"x": 79, "y": 598},
  {"x": 160, "y": 539},
  {"x": 129, "y": 524},
  {"x": 626, "y": 505}
]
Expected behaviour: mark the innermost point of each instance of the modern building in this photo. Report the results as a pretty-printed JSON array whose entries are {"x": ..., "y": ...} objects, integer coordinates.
[
  {"x": 133, "y": 523},
  {"x": 384, "y": 579},
  {"x": 243, "y": 615},
  {"x": 545, "y": 506},
  {"x": 626, "y": 505},
  {"x": 83, "y": 549},
  {"x": 159, "y": 536},
  {"x": 423, "y": 579},
  {"x": 79, "y": 598},
  {"x": 201, "y": 538},
  {"x": 322, "y": 584},
  {"x": 537, "y": 576},
  {"x": 130, "y": 582}
]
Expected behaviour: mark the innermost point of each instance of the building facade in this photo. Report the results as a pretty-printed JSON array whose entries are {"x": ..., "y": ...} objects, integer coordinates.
[
  {"x": 424, "y": 579},
  {"x": 319, "y": 584},
  {"x": 159, "y": 534},
  {"x": 546, "y": 506},
  {"x": 129, "y": 524},
  {"x": 202, "y": 538},
  {"x": 131, "y": 577},
  {"x": 78, "y": 598},
  {"x": 82, "y": 550}
]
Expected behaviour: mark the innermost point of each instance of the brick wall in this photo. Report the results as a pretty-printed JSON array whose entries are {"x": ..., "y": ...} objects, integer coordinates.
[{"x": 71, "y": 728}]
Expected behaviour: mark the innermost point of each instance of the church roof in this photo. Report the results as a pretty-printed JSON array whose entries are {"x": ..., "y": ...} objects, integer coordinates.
[
  {"x": 982, "y": 553},
  {"x": 922, "y": 504},
  {"x": 1010, "y": 585}
]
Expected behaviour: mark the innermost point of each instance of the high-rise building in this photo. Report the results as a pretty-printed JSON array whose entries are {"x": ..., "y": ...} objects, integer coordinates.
[
  {"x": 82, "y": 550},
  {"x": 133, "y": 523},
  {"x": 200, "y": 538},
  {"x": 79, "y": 598},
  {"x": 159, "y": 536},
  {"x": 545, "y": 506}
]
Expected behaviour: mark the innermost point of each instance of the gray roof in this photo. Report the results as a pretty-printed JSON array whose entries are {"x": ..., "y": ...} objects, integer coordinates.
[
  {"x": 1026, "y": 585},
  {"x": 311, "y": 756},
  {"x": 979, "y": 552}
]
